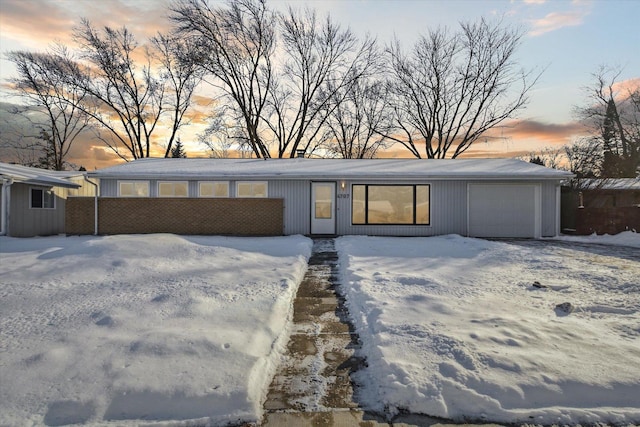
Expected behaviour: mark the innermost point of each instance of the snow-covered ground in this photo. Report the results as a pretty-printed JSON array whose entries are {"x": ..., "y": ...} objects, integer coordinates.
[
  {"x": 115, "y": 330},
  {"x": 454, "y": 327},
  {"x": 626, "y": 238}
]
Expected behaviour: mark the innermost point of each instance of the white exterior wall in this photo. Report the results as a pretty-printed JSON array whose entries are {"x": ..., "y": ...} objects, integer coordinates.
[
  {"x": 550, "y": 209},
  {"x": 448, "y": 205}
]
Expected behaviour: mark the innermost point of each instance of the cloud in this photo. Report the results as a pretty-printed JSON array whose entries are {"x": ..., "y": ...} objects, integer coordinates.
[
  {"x": 32, "y": 23},
  {"x": 534, "y": 1},
  {"x": 556, "y": 20},
  {"x": 534, "y": 130},
  {"x": 515, "y": 139},
  {"x": 625, "y": 87}
]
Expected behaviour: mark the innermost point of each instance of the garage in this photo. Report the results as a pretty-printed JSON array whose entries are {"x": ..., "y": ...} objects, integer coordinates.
[{"x": 503, "y": 210}]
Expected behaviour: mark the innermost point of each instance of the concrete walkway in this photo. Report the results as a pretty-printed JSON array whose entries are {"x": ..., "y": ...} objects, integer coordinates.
[
  {"x": 313, "y": 386},
  {"x": 315, "y": 373}
]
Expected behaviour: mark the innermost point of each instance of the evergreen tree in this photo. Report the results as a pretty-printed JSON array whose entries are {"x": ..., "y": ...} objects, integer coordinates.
[
  {"x": 537, "y": 160},
  {"x": 178, "y": 150}
]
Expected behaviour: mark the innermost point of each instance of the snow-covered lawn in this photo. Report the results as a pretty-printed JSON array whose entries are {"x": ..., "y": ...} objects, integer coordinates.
[
  {"x": 454, "y": 327},
  {"x": 120, "y": 329}
]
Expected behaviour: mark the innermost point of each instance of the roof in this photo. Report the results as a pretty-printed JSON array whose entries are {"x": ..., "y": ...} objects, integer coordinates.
[
  {"x": 632, "y": 184},
  {"x": 302, "y": 168},
  {"x": 35, "y": 176}
]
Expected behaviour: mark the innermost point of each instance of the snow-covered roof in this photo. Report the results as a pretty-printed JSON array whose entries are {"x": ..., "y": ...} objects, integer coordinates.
[
  {"x": 35, "y": 176},
  {"x": 302, "y": 168},
  {"x": 611, "y": 184}
]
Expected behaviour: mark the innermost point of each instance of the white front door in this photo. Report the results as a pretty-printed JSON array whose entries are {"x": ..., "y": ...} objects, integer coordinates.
[{"x": 323, "y": 208}]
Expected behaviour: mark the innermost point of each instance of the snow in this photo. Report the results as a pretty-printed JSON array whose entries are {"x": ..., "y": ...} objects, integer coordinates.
[
  {"x": 115, "y": 330},
  {"x": 37, "y": 176},
  {"x": 187, "y": 330},
  {"x": 454, "y": 327},
  {"x": 298, "y": 168},
  {"x": 625, "y": 238}
]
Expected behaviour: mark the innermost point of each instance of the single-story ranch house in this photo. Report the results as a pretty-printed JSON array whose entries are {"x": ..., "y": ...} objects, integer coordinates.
[
  {"x": 33, "y": 200},
  {"x": 395, "y": 197}
]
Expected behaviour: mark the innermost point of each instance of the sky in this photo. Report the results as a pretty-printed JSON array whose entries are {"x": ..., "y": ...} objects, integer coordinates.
[{"x": 565, "y": 40}]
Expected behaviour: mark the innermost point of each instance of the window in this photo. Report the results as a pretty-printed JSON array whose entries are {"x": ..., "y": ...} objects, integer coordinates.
[
  {"x": 251, "y": 189},
  {"x": 134, "y": 188},
  {"x": 213, "y": 189},
  {"x": 173, "y": 189},
  {"x": 390, "y": 204},
  {"x": 42, "y": 199}
]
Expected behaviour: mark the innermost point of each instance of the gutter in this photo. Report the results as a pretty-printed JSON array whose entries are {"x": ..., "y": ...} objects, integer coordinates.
[
  {"x": 6, "y": 204},
  {"x": 95, "y": 205},
  {"x": 329, "y": 177}
]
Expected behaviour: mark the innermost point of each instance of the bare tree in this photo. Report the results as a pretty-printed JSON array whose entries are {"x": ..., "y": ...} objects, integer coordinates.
[
  {"x": 547, "y": 156},
  {"x": 127, "y": 96},
  {"x": 322, "y": 61},
  {"x": 452, "y": 88},
  {"x": 585, "y": 158},
  {"x": 181, "y": 73},
  {"x": 358, "y": 120},
  {"x": 223, "y": 138},
  {"x": 613, "y": 117},
  {"x": 40, "y": 81},
  {"x": 237, "y": 42}
]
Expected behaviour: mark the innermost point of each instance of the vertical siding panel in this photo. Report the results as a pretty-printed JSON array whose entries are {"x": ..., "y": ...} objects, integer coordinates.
[
  {"x": 27, "y": 222},
  {"x": 549, "y": 209},
  {"x": 449, "y": 210},
  {"x": 108, "y": 188},
  {"x": 297, "y": 204}
]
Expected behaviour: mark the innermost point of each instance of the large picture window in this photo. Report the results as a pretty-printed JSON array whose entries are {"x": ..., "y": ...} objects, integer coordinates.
[
  {"x": 251, "y": 189},
  {"x": 390, "y": 204},
  {"x": 213, "y": 189},
  {"x": 133, "y": 188},
  {"x": 42, "y": 199},
  {"x": 173, "y": 189}
]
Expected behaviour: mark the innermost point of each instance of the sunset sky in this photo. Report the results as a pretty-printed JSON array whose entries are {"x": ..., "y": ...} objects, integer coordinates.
[{"x": 569, "y": 40}]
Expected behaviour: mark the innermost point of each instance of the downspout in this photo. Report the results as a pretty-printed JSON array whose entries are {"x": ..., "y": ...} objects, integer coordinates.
[
  {"x": 6, "y": 205},
  {"x": 95, "y": 205}
]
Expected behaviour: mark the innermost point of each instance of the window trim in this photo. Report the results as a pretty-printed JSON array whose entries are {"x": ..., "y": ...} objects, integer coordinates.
[
  {"x": 266, "y": 189},
  {"x": 134, "y": 182},
  {"x": 214, "y": 196},
  {"x": 185, "y": 183},
  {"x": 44, "y": 191},
  {"x": 366, "y": 205}
]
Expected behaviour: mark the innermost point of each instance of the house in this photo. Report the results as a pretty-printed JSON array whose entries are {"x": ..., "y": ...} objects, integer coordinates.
[
  {"x": 609, "y": 205},
  {"x": 609, "y": 192},
  {"x": 33, "y": 200},
  {"x": 394, "y": 197}
]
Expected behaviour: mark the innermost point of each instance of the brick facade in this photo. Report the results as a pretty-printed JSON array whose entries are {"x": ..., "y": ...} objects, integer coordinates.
[
  {"x": 607, "y": 220},
  {"x": 242, "y": 217}
]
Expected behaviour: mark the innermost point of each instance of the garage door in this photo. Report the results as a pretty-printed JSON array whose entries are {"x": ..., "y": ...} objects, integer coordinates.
[{"x": 504, "y": 210}]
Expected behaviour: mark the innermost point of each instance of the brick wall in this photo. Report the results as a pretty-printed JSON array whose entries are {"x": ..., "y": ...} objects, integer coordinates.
[
  {"x": 607, "y": 220},
  {"x": 248, "y": 217}
]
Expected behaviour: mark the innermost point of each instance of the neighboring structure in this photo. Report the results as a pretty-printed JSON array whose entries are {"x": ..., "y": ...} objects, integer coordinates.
[
  {"x": 395, "y": 197},
  {"x": 33, "y": 200},
  {"x": 610, "y": 206}
]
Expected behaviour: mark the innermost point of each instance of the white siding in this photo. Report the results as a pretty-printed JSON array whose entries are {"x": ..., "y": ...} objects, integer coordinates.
[
  {"x": 26, "y": 222},
  {"x": 297, "y": 204},
  {"x": 550, "y": 209},
  {"x": 448, "y": 200}
]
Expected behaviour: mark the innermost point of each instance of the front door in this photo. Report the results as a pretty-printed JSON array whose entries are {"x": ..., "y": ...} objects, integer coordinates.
[{"x": 323, "y": 208}]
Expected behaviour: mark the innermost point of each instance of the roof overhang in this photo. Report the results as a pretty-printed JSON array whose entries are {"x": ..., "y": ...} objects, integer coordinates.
[{"x": 331, "y": 169}]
